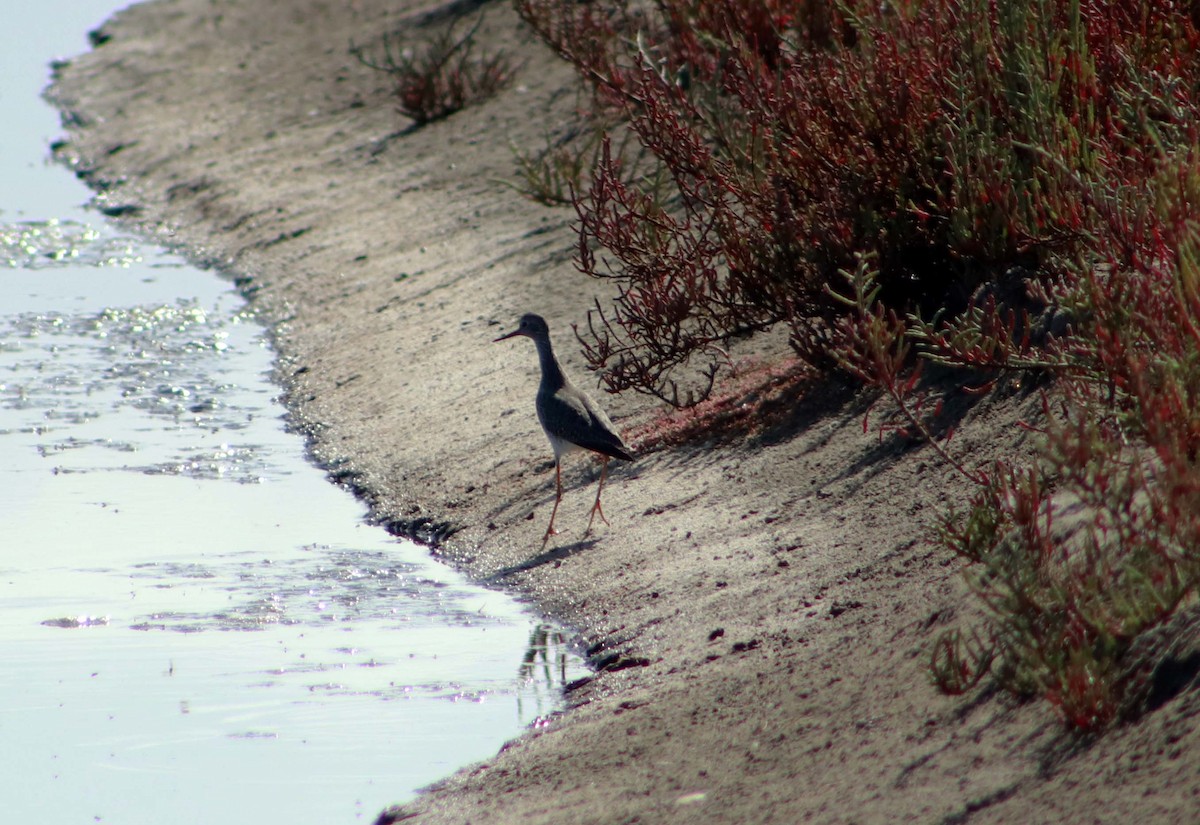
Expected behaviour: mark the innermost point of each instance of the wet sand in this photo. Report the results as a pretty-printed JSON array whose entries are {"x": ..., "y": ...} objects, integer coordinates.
[{"x": 760, "y": 610}]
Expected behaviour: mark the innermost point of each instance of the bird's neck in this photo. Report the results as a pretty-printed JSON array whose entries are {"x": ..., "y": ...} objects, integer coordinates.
[{"x": 553, "y": 377}]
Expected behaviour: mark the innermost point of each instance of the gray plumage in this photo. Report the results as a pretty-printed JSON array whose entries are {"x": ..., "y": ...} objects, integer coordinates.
[{"x": 570, "y": 418}]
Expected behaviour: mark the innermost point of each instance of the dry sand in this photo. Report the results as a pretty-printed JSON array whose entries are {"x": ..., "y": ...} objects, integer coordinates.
[{"x": 760, "y": 609}]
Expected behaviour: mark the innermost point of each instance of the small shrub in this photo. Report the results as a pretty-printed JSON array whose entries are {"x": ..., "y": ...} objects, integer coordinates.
[
  {"x": 441, "y": 76},
  {"x": 959, "y": 661},
  {"x": 555, "y": 174}
]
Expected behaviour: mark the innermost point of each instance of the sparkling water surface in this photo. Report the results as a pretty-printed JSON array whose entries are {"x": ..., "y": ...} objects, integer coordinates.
[{"x": 195, "y": 625}]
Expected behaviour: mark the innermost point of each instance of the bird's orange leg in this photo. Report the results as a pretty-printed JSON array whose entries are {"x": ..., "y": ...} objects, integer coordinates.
[
  {"x": 596, "y": 508},
  {"x": 550, "y": 531}
]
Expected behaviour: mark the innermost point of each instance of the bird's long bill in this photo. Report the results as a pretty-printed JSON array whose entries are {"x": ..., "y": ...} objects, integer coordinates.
[{"x": 512, "y": 334}]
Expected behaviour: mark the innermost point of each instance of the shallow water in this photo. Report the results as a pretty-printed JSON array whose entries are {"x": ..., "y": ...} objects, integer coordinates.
[{"x": 196, "y": 626}]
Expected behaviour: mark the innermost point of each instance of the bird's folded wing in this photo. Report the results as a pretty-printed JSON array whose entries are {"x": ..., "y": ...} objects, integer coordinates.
[{"x": 576, "y": 418}]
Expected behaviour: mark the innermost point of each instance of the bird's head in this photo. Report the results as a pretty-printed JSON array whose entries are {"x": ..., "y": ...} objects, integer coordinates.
[{"x": 531, "y": 326}]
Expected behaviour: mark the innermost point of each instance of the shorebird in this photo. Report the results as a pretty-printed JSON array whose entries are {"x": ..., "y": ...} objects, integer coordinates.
[{"x": 571, "y": 419}]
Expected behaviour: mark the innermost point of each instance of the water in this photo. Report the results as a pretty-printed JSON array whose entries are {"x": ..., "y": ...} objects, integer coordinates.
[{"x": 195, "y": 626}]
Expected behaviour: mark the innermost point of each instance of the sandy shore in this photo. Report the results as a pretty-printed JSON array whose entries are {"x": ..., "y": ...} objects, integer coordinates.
[{"x": 759, "y": 612}]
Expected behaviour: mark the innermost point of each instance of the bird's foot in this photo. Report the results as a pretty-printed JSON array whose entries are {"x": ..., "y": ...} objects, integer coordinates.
[{"x": 595, "y": 511}]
